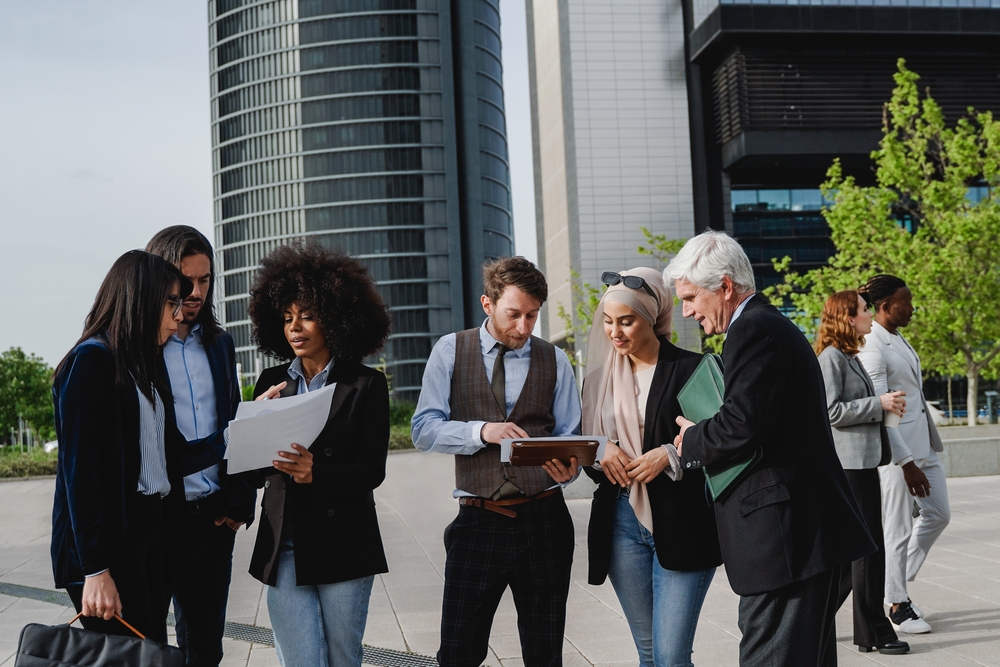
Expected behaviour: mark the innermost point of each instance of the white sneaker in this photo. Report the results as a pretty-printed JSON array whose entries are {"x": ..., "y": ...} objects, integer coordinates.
[
  {"x": 904, "y": 619},
  {"x": 916, "y": 610}
]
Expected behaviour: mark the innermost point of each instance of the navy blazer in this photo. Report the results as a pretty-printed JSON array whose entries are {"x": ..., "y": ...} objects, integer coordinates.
[
  {"x": 97, "y": 424},
  {"x": 332, "y": 521},
  {"x": 238, "y": 496},
  {"x": 794, "y": 516},
  {"x": 684, "y": 529}
]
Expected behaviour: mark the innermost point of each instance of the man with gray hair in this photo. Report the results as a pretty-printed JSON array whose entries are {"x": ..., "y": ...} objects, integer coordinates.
[{"x": 789, "y": 524}]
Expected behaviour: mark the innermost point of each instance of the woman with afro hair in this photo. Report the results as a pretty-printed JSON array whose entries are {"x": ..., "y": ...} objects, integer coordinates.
[{"x": 318, "y": 547}]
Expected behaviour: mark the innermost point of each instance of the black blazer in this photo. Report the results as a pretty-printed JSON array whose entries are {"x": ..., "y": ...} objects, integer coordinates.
[
  {"x": 332, "y": 520},
  {"x": 237, "y": 496},
  {"x": 97, "y": 424},
  {"x": 684, "y": 527},
  {"x": 793, "y": 516}
]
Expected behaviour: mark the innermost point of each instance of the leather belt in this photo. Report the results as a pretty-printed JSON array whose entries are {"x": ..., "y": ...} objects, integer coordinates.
[{"x": 500, "y": 506}]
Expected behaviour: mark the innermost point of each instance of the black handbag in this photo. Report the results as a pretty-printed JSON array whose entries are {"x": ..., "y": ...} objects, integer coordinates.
[{"x": 63, "y": 646}]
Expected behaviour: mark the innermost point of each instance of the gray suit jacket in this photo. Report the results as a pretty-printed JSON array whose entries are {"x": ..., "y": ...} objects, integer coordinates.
[
  {"x": 855, "y": 412},
  {"x": 886, "y": 358}
]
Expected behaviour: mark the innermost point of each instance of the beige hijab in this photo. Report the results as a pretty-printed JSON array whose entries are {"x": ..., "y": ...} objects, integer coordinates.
[{"x": 609, "y": 387}]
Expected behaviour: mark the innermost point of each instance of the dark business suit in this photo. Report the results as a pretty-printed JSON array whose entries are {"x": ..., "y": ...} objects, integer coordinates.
[
  {"x": 862, "y": 444},
  {"x": 787, "y": 527},
  {"x": 332, "y": 521},
  {"x": 688, "y": 538},
  {"x": 204, "y": 556},
  {"x": 99, "y": 519}
]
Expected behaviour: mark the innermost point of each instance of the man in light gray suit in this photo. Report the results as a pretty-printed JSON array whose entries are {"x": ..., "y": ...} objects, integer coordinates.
[{"x": 893, "y": 364}]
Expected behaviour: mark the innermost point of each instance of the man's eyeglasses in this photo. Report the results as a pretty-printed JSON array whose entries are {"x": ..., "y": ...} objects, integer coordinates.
[{"x": 610, "y": 278}]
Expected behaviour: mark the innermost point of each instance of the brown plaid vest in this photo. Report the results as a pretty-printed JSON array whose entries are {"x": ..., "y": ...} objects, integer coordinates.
[{"x": 472, "y": 400}]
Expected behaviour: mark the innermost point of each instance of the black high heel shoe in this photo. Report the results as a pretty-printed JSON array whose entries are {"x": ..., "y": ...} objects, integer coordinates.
[{"x": 897, "y": 647}]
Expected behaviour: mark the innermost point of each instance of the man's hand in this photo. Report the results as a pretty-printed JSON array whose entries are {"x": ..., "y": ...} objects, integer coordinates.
[
  {"x": 916, "y": 480},
  {"x": 685, "y": 424},
  {"x": 234, "y": 525},
  {"x": 559, "y": 472},
  {"x": 272, "y": 392},
  {"x": 614, "y": 463},
  {"x": 494, "y": 432},
  {"x": 100, "y": 597},
  {"x": 645, "y": 468},
  {"x": 299, "y": 465}
]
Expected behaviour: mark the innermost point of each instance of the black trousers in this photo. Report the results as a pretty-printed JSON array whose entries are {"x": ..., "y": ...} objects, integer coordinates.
[
  {"x": 140, "y": 576},
  {"x": 486, "y": 553},
  {"x": 201, "y": 586},
  {"x": 794, "y": 626},
  {"x": 866, "y": 577}
]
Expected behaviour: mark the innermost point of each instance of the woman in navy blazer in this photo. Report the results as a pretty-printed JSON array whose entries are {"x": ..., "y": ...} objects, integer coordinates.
[
  {"x": 318, "y": 546},
  {"x": 856, "y": 416},
  {"x": 113, "y": 418}
]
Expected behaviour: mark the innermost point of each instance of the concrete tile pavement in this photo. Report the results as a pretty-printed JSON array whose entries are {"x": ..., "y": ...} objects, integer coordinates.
[{"x": 958, "y": 588}]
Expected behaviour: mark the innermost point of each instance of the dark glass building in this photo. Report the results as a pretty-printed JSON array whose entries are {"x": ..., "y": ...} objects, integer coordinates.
[
  {"x": 777, "y": 90},
  {"x": 375, "y": 126}
]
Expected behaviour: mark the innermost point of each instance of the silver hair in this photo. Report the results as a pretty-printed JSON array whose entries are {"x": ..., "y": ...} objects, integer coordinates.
[{"x": 706, "y": 258}]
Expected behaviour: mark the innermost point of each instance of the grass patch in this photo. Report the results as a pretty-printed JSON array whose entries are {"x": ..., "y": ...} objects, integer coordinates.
[
  {"x": 400, "y": 413},
  {"x": 33, "y": 463},
  {"x": 399, "y": 437}
]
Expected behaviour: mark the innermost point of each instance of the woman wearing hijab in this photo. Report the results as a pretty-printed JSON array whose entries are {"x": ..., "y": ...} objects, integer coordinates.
[
  {"x": 651, "y": 528},
  {"x": 857, "y": 416}
]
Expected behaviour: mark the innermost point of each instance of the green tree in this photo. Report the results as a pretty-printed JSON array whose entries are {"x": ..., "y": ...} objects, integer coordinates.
[
  {"x": 920, "y": 222},
  {"x": 26, "y": 392}
]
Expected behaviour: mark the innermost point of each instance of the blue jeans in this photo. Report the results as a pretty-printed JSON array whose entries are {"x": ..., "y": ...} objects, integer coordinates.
[
  {"x": 661, "y": 606},
  {"x": 320, "y": 625}
]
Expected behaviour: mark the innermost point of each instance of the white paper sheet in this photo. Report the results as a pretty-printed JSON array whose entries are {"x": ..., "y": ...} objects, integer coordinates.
[
  {"x": 262, "y": 428},
  {"x": 505, "y": 443}
]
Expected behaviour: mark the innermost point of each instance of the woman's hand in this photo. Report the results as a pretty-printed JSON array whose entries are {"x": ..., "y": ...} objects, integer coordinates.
[
  {"x": 273, "y": 392},
  {"x": 645, "y": 468},
  {"x": 559, "y": 472},
  {"x": 613, "y": 464},
  {"x": 299, "y": 464},
  {"x": 893, "y": 401},
  {"x": 100, "y": 597}
]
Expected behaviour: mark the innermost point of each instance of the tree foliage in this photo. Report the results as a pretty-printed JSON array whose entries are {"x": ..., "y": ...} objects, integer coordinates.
[
  {"x": 919, "y": 222},
  {"x": 25, "y": 391}
]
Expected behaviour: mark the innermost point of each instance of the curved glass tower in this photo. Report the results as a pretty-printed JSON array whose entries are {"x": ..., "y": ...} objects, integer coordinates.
[{"x": 374, "y": 126}]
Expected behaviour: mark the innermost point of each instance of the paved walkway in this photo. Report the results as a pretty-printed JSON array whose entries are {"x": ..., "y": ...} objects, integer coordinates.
[{"x": 958, "y": 588}]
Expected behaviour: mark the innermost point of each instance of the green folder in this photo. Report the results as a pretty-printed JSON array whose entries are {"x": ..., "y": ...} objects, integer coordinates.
[{"x": 700, "y": 399}]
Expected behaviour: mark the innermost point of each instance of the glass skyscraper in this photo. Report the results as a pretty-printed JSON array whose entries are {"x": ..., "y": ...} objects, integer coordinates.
[{"x": 374, "y": 126}]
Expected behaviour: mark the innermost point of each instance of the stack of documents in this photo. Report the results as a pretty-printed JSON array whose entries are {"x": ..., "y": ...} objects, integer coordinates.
[{"x": 262, "y": 428}]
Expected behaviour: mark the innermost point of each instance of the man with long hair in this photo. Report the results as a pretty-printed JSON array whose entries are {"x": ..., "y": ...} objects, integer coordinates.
[{"x": 201, "y": 366}]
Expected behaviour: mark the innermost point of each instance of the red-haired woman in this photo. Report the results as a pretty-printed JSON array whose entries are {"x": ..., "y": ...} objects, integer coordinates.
[{"x": 856, "y": 415}]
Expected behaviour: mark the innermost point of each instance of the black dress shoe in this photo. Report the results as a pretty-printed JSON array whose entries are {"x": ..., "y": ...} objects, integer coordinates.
[{"x": 889, "y": 648}]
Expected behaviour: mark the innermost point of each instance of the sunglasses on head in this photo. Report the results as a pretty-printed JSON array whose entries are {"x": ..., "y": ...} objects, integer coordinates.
[{"x": 610, "y": 278}]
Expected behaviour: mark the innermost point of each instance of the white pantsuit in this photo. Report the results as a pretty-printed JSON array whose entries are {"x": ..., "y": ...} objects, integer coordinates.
[{"x": 893, "y": 365}]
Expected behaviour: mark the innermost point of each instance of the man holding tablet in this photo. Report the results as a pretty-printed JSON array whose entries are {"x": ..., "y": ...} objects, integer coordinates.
[{"x": 513, "y": 529}]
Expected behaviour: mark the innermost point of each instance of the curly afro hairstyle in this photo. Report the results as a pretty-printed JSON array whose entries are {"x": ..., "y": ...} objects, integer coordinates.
[{"x": 334, "y": 286}]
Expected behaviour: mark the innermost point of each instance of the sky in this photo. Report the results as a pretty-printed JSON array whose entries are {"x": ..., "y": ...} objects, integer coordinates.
[{"x": 105, "y": 138}]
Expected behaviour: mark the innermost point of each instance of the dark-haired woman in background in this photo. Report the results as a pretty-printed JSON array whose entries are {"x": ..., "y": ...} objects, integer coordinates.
[
  {"x": 856, "y": 415},
  {"x": 916, "y": 472},
  {"x": 651, "y": 528},
  {"x": 113, "y": 476},
  {"x": 318, "y": 546}
]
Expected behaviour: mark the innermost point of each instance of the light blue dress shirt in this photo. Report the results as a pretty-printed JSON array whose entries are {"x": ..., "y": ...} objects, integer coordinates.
[
  {"x": 432, "y": 426},
  {"x": 318, "y": 381},
  {"x": 194, "y": 402}
]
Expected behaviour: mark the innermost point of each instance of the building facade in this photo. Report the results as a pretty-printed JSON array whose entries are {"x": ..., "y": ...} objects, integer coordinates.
[
  {"x": 373, "y": 126},
  {"x": 612, "y": 153},
  {"x": 680, "y": 117}
]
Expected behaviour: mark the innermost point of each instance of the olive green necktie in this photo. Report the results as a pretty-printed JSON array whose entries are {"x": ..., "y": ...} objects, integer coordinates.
[{"x": 500, "y": 379}]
